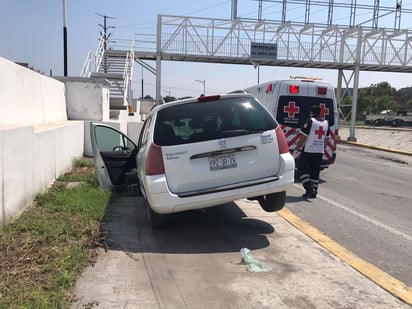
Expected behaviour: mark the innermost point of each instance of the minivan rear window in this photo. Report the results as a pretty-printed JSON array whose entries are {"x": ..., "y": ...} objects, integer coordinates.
[
  {"x": 294, "y": 110},
  {"x": 197, "y": 122}
]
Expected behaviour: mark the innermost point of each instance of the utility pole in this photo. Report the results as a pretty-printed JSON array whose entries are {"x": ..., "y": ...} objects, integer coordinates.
[
  {"x": 105, "y": 38},
  {"x": 234, "y": 9},
  {"x": 142, "y": 83},
  {"x": 204, "y": 85},
  {"x": 64, "y": 38},
  {"x": 105, "y": 28}
]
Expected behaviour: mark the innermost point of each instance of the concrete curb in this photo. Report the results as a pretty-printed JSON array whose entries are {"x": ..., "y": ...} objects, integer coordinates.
[
  {"x": 382, "y": 279},
  {"x": 340, "y": 141}
]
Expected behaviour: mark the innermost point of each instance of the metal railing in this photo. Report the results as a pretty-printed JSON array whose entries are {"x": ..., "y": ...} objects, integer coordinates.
[
  {"x": 331, "y": 46},
  {"x": 93, "y": 60},
  {"x": 127, "y": 74}
]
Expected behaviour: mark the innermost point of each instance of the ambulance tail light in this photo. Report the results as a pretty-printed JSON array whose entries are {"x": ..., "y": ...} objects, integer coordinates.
[
  {"x": 293, "y": 88},
  {"x": 322, "y": 90}
]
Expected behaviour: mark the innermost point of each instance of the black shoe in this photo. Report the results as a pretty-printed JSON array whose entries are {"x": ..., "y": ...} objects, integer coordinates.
[{"x": 309, "y": 195}]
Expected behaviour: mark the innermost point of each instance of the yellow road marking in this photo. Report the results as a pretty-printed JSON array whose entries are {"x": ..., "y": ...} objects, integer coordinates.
[{"x": 381, "y": 278}]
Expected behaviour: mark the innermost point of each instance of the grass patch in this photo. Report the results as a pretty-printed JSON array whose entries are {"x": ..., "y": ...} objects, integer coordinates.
[{"x": 46, "y": 248}]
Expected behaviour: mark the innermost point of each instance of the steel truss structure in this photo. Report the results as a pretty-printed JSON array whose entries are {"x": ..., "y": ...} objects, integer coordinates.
[
  {"x": 342, "y": 48},
  {"x": 360, "y": 12}
]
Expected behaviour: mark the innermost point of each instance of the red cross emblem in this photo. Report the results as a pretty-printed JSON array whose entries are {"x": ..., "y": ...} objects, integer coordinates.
[
  {"x": 323, "y": 110},
  {"x": 291, "y": 109},
  {"x": 320, "y": 132}
]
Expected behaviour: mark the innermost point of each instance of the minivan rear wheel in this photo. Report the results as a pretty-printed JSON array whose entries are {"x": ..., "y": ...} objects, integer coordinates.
[
  {"x": 272, "y": 202},
  {"x": 154, "y": 219}
]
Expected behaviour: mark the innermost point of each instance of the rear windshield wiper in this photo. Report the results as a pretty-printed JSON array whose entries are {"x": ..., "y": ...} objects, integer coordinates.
[{"x": 229, "y": 133}]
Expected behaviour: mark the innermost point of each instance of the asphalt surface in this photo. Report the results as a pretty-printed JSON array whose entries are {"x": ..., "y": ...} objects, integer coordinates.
[{"x": 196, "y": 262}]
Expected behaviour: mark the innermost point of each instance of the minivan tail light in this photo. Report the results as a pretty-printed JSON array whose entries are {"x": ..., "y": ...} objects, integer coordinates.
[
  {"x": 208, "y": 98},
  {"x": 282, "y": 143},
  {"x": 154, "y": 161}
]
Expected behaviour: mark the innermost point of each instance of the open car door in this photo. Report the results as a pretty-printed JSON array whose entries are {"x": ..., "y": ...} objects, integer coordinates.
[{"x": 114, "y": 157}]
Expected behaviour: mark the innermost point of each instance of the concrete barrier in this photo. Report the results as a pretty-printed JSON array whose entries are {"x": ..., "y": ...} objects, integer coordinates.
[
  {"x": 31, "y": 158},
  {"x": 37, "y": 142},
  {"x": 86, "y": 98},
  {"x": 27, "y": 97}
]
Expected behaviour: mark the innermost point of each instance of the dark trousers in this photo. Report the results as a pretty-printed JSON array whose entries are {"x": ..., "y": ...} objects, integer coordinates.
[{"x": 309, "y": 170}]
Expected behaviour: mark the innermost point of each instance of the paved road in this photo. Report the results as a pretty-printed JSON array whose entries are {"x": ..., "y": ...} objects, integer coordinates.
[
  {"x": 196, "y": 263},
  {"x": 365, "y": 205}
]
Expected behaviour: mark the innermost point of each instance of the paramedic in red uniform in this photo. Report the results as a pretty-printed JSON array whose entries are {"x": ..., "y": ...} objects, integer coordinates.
[{"x": 315, "y": 132}]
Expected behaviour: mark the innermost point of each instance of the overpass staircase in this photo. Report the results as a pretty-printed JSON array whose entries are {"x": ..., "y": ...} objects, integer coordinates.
[{"x": 115, "y": 66}]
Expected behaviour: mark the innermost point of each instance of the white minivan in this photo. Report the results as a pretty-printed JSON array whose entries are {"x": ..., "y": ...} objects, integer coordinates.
[
  {"x": 290, "y": 100},
  {"x": 198, "y": 153}
]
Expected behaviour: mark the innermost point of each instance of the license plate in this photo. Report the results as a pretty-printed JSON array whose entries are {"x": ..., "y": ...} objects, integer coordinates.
[{"x": 222, "y": 162}]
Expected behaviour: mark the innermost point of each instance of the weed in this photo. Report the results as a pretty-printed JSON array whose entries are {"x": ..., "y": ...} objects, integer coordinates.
[{"x": 46, "y": 248}]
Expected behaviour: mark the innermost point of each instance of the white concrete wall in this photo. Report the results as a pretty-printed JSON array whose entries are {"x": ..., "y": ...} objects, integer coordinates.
[
  {"x": 31, "y": 159},
  {"x": 27, "y": 97},
  {"x": 37, "y": 142},
  {"x": 87, "y": 99}
]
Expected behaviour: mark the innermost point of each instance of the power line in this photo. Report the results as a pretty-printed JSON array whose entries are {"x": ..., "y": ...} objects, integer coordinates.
[{"x": 105, "y": 28}]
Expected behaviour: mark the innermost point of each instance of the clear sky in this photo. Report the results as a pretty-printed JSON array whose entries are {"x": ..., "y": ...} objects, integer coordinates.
[{"x": 31, "y": 31}]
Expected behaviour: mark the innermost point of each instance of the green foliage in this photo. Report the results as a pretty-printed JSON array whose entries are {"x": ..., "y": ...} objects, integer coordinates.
[
  {"x": 46, "y": 248},
  {"x": 408, "y": 104},
  {"x": 169, "y": 99},
  {"x": 386, "y": 103},
  {"x": 83, "y": 163},
  {"x": 378, "y": 97}
]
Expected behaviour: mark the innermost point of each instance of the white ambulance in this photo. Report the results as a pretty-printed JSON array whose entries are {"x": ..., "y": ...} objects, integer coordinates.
[{"x": 290, "y": 100}]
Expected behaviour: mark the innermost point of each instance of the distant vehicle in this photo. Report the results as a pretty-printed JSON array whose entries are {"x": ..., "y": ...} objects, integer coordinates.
[
  {"x": 290, "y": 100},
  {"x": 389, "y": 118},
  {"x": 197, "y": 153}
]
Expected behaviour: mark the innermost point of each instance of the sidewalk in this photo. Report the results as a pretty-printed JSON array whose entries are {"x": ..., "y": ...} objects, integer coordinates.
[
  {"x": 198, "y": 265},
  {"x": 387, "y": 138}
]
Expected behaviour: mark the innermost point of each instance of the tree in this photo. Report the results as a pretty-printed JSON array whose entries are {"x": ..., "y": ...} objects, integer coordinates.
[
  {"x": 182, "y": 98},
  {"x": 169, "y": 98},
  {"x": 365, "y": 101},
  {"x": 376, "y": 98},
  {"x": 387, "y": 103}
]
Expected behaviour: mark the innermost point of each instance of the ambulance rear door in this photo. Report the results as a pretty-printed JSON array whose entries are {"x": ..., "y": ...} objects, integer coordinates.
[{"x": 295, "y": 99}]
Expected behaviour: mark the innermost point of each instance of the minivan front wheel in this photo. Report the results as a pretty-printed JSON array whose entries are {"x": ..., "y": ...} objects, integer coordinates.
[
  {"x": 154, "y": 219},
  {"x": 272, "y": 202}
]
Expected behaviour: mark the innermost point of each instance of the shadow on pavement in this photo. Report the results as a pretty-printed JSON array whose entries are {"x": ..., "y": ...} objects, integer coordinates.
[{"x": 224, "y": 228}]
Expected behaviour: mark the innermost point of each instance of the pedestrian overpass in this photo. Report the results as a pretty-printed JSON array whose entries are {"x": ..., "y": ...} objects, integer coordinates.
[{"x": 348, "y": 50}]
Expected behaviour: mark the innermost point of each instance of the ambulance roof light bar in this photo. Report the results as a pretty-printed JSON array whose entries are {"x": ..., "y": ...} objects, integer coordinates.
[{"x": 305, "y": 77}]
